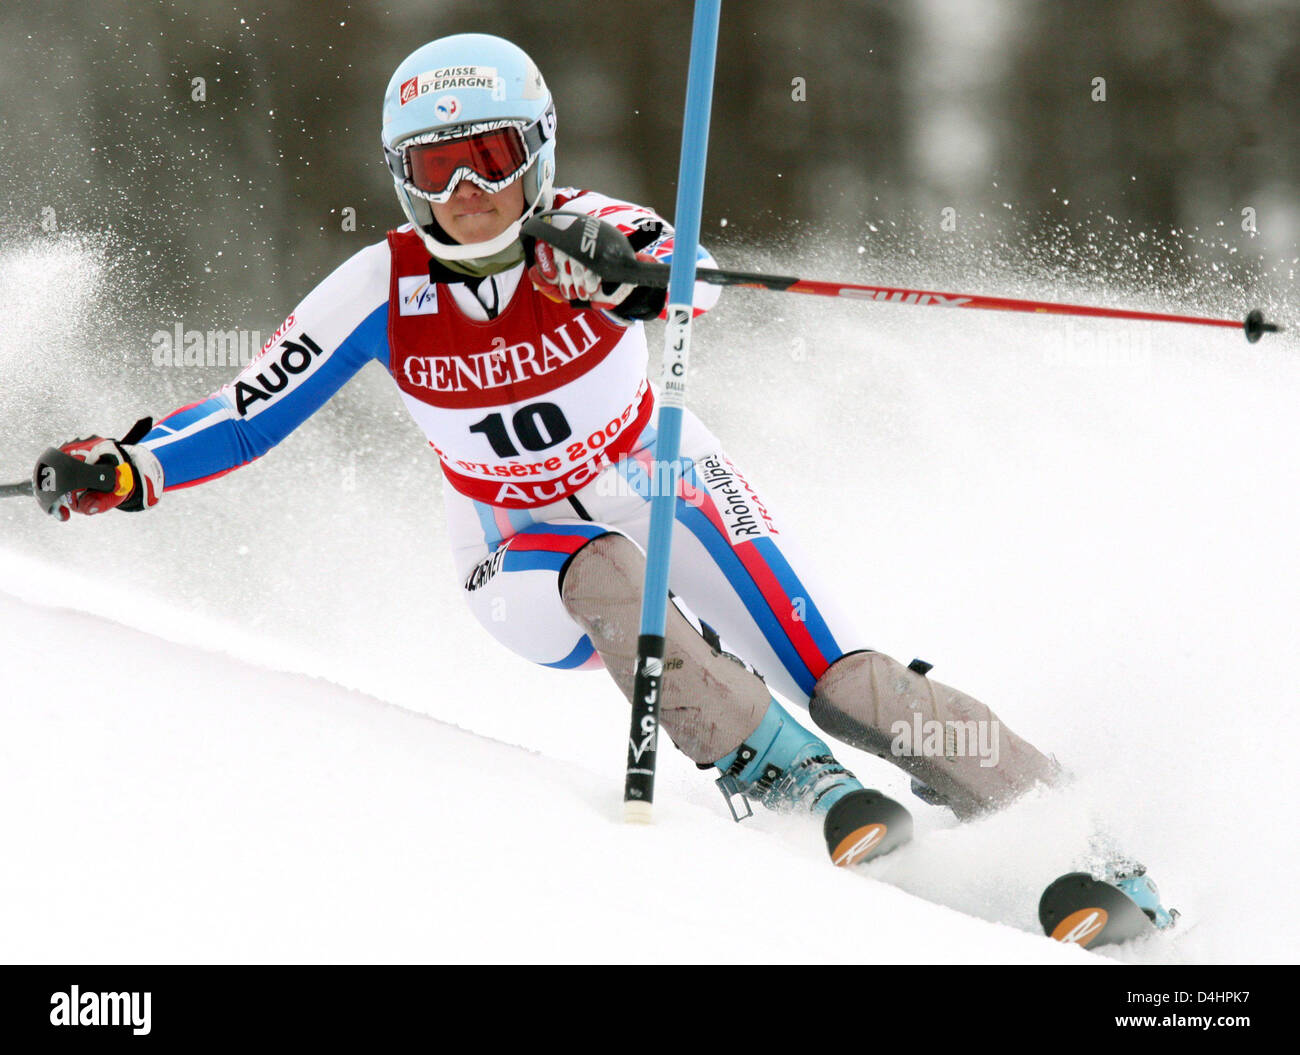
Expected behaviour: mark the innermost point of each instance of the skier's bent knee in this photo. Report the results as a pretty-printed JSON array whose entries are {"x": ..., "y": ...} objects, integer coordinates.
[{"x": 716, "y": 709}]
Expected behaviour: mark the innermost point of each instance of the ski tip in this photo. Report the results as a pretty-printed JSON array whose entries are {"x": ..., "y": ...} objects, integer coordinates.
[
  {"x": 1078, "y": 909},
  {"x": 864, "y": 825},
  {"x": 1256, "y": 327},
  {"x": 638, "y": 811}
]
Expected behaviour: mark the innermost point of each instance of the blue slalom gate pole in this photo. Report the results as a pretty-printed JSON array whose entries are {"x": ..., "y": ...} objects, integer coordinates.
[{"x": 638, "y": 789}]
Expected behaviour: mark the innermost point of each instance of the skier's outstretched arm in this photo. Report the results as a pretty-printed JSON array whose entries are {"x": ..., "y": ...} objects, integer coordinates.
[{"x": 336, "y": 329}]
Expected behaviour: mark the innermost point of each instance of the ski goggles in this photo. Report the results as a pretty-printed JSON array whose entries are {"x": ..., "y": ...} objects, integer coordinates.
[{"x": 491, "y": 157}]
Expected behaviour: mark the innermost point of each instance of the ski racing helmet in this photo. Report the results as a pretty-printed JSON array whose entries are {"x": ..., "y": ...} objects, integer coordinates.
[{"x": 469, "y": 106}]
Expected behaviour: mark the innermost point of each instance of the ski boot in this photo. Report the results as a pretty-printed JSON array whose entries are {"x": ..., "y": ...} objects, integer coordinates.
[
  {"x": 1131, "y": 877},
  {"x": 783, "y": 766}
]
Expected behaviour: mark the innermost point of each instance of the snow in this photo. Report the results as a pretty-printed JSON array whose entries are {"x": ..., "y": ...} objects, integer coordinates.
[
  {"x": 255, "y": 724},
  {"x": 222, "y": 811}
]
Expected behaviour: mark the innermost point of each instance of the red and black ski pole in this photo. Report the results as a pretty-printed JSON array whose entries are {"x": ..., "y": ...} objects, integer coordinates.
[
  {"x": 1253, "y": 325},
  {"x": 606, "y": 251}
]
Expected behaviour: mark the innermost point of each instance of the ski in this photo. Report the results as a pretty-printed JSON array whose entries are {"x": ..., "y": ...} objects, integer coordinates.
[
  {"x": 865, "y": 825},
  {"x": 1076, "y": 908},
  {"x": 1080, "y": 909}
]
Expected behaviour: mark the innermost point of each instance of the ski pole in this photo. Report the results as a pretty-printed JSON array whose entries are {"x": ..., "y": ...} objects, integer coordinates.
[
  {"x": 638, "y": 787},
  {"x": 608, "y": 253}
]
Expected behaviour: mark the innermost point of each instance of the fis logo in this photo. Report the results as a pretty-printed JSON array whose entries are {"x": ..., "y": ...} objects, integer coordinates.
[{"x": 416, "y": 295}]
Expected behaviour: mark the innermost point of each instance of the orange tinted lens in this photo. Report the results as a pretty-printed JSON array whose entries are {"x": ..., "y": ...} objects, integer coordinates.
[{"x": 495, "y": 155}]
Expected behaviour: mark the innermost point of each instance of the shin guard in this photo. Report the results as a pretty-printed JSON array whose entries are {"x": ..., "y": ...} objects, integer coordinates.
[
  {"x": 943, "y": 738},
  {"x": 711, "y": 701}
]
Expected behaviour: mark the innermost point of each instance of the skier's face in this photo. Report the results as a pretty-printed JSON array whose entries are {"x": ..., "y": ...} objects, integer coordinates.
[{"x": 473, "y": 215}]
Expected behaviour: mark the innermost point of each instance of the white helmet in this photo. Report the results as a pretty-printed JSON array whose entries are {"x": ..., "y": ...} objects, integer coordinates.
[{"x": 479, "y": 107}]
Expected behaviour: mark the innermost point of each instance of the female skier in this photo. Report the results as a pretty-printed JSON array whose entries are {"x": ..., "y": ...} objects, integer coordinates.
[{"x": 527, "y": 373}]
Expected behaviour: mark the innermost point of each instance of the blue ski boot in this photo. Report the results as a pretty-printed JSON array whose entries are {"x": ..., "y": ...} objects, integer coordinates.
[
  {"x": 1131, "y": 877},
  {"x": 784, "y": 766}
]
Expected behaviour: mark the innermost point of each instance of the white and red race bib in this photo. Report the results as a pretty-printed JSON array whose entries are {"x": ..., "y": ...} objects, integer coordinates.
[{"x": 524, "y": 409}]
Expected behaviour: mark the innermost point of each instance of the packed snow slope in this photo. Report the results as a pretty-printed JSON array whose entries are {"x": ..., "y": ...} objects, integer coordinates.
[
  {"x": 222, "y": 811},
  {"x": 256, "y": 723}
]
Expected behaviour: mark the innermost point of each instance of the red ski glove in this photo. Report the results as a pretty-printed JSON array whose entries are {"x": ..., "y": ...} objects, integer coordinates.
[
  {"x": 139, "y": 476},
  {"x": 560, "y": 277}
]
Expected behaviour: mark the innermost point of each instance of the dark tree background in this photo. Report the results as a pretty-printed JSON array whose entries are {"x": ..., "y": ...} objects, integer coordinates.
[{"x": 843, "y": 115}]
